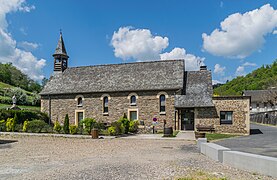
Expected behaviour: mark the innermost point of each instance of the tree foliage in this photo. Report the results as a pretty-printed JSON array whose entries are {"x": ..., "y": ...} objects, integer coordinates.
[
  {"x": 264, "y": 77},
  {"x": 11, "y": 75}
]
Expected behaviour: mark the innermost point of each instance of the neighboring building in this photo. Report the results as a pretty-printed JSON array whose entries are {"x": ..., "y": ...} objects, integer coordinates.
[
  {"x": 143, "y": 91},
  {"x": 262, "y": 100}
]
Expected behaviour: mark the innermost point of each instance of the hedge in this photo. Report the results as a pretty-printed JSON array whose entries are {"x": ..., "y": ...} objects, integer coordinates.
[{"x": 23, "y": 115}]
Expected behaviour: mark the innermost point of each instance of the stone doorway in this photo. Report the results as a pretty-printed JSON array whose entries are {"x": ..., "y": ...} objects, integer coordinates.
[{"x": 187, "y": 119}]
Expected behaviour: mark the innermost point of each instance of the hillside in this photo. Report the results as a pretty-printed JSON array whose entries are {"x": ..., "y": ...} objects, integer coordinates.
[
  {"x": 14, "y": 82},
  {"x": 262, "y": 78}
]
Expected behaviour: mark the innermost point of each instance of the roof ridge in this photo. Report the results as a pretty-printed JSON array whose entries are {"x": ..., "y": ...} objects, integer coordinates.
[{"x": 144, "y": 62}]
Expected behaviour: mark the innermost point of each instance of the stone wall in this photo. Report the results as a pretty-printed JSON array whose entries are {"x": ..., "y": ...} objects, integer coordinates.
[
  {"x": 238, "y": 105},
  {"x": 147, "y": 105}
]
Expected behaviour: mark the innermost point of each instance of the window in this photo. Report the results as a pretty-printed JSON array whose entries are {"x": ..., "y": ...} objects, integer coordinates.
[
  {"x": 80, "y": 101},
  {"x": 105, "y": 104},
  {"x": 133, "y": 100},
  {"x": 80, "y": 116},
  {"x": 226, "y": 117},
  {"x": 162, "y": 103},
  {"x": 133, "y": 115}
]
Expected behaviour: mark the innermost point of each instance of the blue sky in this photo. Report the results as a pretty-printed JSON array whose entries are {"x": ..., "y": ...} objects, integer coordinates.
[{"x": 105, "y": 32}]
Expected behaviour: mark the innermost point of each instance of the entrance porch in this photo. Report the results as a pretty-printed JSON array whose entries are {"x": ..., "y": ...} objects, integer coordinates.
[{"x": 185, "y": 119}]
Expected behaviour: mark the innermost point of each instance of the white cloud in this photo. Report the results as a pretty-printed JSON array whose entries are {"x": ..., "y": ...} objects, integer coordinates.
[
  {"x": 216, "y": 82},
  {"x": 274, "y": 32},
  {"x": 219, "y": 69},
  {"x": 28, "y": 46},
  {"x": 240, "y": 71},
  {"x": 241, "y": 34},
  {"x": 9, "y": 52},
  {"x": 141, "y": 45},
  {"x": 192, "y": 62},
  {"x": 138, "y": 44},
  {"x": 249, "y": 64}
]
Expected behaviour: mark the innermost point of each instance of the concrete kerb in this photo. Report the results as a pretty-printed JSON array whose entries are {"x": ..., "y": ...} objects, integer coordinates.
[
  {"x": 251, "y": 162},
  {"x": 246, "y": 161},
  {"x": 213, "y": 151}
]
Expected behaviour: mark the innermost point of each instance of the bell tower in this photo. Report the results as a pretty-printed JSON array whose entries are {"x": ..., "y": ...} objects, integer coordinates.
[{"x": 60, "y": 56}]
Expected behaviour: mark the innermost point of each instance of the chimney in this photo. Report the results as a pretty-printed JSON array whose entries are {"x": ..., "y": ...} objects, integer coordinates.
[{"x": 203, "y": 68}]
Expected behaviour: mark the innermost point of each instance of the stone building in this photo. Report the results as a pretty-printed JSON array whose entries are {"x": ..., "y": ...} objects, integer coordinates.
[
  {"x": 143, "y": 91},
  {"x": 262, "y": 100}
]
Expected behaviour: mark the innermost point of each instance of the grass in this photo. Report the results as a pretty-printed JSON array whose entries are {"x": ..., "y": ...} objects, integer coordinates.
[
  {"x": 216, "y": 136},
  {"x": 200, "y": 175},
  {"x": 5, "y": 106}
]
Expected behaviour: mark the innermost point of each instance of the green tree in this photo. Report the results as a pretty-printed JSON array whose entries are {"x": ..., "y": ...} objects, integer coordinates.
[{"x": 66, "y": 124}]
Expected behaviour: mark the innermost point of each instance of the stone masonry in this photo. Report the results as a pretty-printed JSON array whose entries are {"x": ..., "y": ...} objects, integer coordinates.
[
  {"x": 147, "y": 105},
  {"x": 238, "y": 105}
]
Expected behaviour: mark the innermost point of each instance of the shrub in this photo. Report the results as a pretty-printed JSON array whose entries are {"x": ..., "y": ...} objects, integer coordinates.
[
  {"x": 134, "y": 126},
  {"x": 99, "y": 126},
  {"x": 118, "y": 127},
  {"x": 25, "y": 126},
  {"x": 66, "y": 124},
  {"x": 73, "y": 129},
  {"x": 57, "y": 127},
  {"x": 23, "y": 115},
  {"x": 37, "y": 126},
  {"x": 10, "y": 125},
  {"x": 2, "y": 125},
  {"x": 126, "y": 123},
  {"x": 18, "y": 127},
  {"x": 88, "y": 124},
  {"x": 15, "y": 118},
  {"x": 112, "y": 131}
]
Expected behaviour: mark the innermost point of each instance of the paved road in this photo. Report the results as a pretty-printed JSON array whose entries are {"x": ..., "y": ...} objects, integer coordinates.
[{"x": 263, "y": 143}]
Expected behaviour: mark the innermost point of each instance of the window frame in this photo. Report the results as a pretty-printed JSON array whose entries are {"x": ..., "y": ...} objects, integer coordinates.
[
  {"x": 162, "y": 108},
  {"x": 131, "y": 100},
  {"x": 226, "y": 121},
  {"x": 79, "y": 101},
  {"x": 106, "y": 105}
]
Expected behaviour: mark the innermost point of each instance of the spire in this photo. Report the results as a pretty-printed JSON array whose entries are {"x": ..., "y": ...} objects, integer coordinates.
[
  {"x": 60, "y": 49},
  {"x": 60, "y": 56}
]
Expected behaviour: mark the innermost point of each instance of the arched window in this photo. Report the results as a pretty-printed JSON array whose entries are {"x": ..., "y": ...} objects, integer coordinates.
[
  {"x": 162, "y": 103},
  {"x": 133, "y": 100},
  {"x": 105, "y": 104},
  {"x": 80, "y": 101}
]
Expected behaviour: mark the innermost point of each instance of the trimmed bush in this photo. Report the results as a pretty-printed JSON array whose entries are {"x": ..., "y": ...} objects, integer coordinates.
[
  {"x": 15, "y": 118},
  {"x": 2, "y": 125},
  {"x": 126, "y": 123},
  {"x": 73, "y": 129},
  {"x": 112, "y": 131},
  {"x": 57, "y": 127},
  {"x": 23, "y": 115},
  {"x": 37, "y": 126},
  {"x": 25, "y": 126},
  {"x": 88, "y": 124},
  {"x": 118, "y": 128},
  {"x": 134, "y": 126},
  {"x": 66, "y": 124},
  {"x": 10, "y": 125}
]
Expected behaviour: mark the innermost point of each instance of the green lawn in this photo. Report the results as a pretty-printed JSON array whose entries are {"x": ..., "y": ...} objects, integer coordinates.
[
  {"x": 215, "y": 136},
  {"x": 5, "y": 106}
]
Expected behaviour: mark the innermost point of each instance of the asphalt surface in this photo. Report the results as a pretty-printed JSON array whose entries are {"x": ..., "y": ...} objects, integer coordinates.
[{"x": 262, "y": 141}]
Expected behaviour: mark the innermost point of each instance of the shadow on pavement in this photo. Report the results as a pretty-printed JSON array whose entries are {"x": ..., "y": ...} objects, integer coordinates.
[
  {"x": 7, "y": 141},
  {"x": 255, "y": 131}
]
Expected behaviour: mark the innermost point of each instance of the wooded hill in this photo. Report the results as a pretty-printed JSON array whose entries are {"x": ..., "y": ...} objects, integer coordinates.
[
  {"x": 264, "y": 77},
  {"x": 14, "y": 82}
]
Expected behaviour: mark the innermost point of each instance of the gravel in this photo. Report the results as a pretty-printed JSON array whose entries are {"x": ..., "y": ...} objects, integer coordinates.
[{"x": 69, "y": 158}]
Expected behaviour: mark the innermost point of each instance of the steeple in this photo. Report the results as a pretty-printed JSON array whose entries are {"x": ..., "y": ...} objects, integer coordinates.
[{"x": 60, "y": 56}]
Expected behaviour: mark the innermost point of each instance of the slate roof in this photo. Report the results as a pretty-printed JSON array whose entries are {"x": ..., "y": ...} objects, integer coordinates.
[
  {"x": 198, "y": 90},
  {"x": 60, "y": 49},
  {"x": 260, "y": 95},
  {"x": 154, "y": 75}
]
